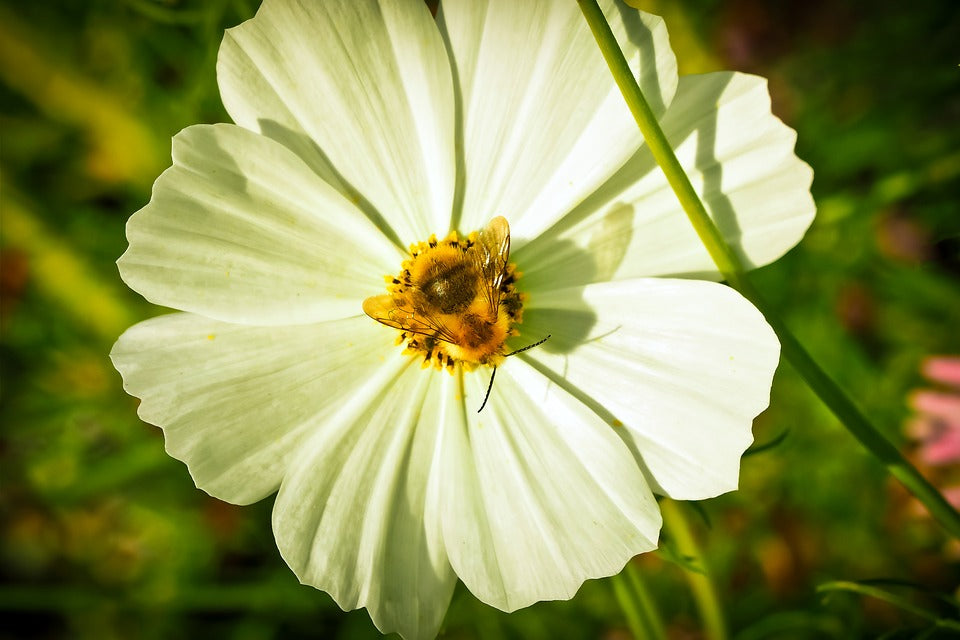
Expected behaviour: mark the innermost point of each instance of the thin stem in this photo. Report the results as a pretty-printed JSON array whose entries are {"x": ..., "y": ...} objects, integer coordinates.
[
  {"x": 726, "y": 260},
  {"x": 701, "y": 584},
  {"x": 634, "y": 599},
  {"x": 654, "y": 621},
  {"x": 629, "y": 606},
  {"x": 730, "y": 266}
]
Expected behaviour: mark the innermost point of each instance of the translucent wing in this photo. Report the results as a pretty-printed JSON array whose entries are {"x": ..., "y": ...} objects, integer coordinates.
[
  {"x": 396, "y": 312},
  {"x": 492, "y": 258}
]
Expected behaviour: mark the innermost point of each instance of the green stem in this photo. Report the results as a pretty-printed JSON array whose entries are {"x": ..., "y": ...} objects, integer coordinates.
[
  {"x": 733, "y": 270},
  {"x": 701, "y": 584},
  {"x": 638, "y": 606},
  {"x": 629, "y": 606},
  {"x": 654, "y": 621}
]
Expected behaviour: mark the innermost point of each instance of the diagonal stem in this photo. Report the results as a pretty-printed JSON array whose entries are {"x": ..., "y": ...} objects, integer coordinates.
[
  {"x": 733, "y": 270},
  {"x": 701, "y": 584},
  {"x": 637, "y": 605}
]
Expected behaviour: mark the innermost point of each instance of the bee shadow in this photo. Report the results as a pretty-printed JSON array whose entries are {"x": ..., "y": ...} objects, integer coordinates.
[{"x": 568, "y": 324}]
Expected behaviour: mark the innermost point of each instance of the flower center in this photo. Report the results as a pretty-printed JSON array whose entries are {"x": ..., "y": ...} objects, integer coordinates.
[{"x": 454, "y": 300}]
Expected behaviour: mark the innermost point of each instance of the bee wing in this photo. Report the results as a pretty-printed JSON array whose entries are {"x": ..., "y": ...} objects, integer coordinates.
[
  {"x": 398, "y": 313},
  {"x": 492, "y": 259}
]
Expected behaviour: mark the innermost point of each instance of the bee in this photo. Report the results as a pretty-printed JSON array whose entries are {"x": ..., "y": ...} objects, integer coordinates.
[{"x": 458, "y": 296}]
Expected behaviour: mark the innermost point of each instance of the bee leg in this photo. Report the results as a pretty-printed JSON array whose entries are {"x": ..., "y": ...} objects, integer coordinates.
[{"x": 489, "y": 388}]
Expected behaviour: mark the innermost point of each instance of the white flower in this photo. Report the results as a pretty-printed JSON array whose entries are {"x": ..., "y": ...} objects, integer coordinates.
[{"x": 363, "y": 126}]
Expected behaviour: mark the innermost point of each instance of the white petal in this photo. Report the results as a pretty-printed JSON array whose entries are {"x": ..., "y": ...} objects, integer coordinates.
[
  {"x": 356, "y": 515},
  {"x": 740, "y": 160},
  {"x": 362, "y": 90},
  {"x": 538, "y": 492},
  {"x": 684, "y": 365},
  {"x": 543, "y": 122},
  {"x": 239, "y": 229},
  {"x": 235, "y": 401}
]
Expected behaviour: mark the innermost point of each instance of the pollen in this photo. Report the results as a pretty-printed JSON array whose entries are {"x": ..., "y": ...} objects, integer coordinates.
[{"x": 454, "y": 300}]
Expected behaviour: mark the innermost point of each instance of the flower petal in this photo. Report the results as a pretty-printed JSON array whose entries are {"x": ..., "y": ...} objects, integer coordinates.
[
  {"x": 543, "y": 121},
  {"x": 235, "y": 401},
  {"x": 538, "y": 493},
  {"x": 239, "y": 229},
  {"x": 685, "y": 365},
  {"x": 361, "y": 89},
  {"x": 356, "y": 515},
  {"x": 740, "y": 160}
]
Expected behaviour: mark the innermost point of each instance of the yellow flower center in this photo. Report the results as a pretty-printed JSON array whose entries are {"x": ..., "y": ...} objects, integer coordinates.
[{"x": 454, "y": 300}]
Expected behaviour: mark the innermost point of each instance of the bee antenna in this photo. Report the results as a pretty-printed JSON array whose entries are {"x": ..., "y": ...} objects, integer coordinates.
[
  {"x": 493, "y": 375},
  {"x": 530, "y": 346},
  {"x": 489, "y": 389}
]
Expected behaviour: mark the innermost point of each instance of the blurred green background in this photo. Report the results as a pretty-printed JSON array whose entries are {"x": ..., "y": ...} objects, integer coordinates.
[{"x": 104, "y": 536}]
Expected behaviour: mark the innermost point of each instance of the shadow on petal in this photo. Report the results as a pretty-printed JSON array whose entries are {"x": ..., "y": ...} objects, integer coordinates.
[
  {"x": 608, "y": 221},
  {"x": 570, "y": 325},
  {"x": 626, "y": 435},
  {"x": 640, "y": 36},
  {"x": 311, "y": 153}
]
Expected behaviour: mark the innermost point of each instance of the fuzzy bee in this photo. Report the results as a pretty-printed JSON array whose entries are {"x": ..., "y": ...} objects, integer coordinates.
[{"x": 459, "y": 296}]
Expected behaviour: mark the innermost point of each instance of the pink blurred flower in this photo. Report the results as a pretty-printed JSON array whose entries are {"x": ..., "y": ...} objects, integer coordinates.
[{"x": 937, "y": 423}]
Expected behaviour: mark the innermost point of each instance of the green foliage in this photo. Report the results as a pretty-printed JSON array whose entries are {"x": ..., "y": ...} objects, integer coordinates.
[{"x": 105, "y": 536}]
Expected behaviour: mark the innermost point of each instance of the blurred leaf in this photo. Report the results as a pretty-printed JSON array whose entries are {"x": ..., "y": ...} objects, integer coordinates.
[
  {"x": 168, "y": 15},
  {"x": 669, "y": 551},
  {"x": 891, "y": 598},
  {"x": 768, "y": 445},
  {"x": 121, "y": 147},
  {"x": 794, "y": 624},
  {"x": 62, "y": 275},
  {"x": 907, "y": 584}
]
